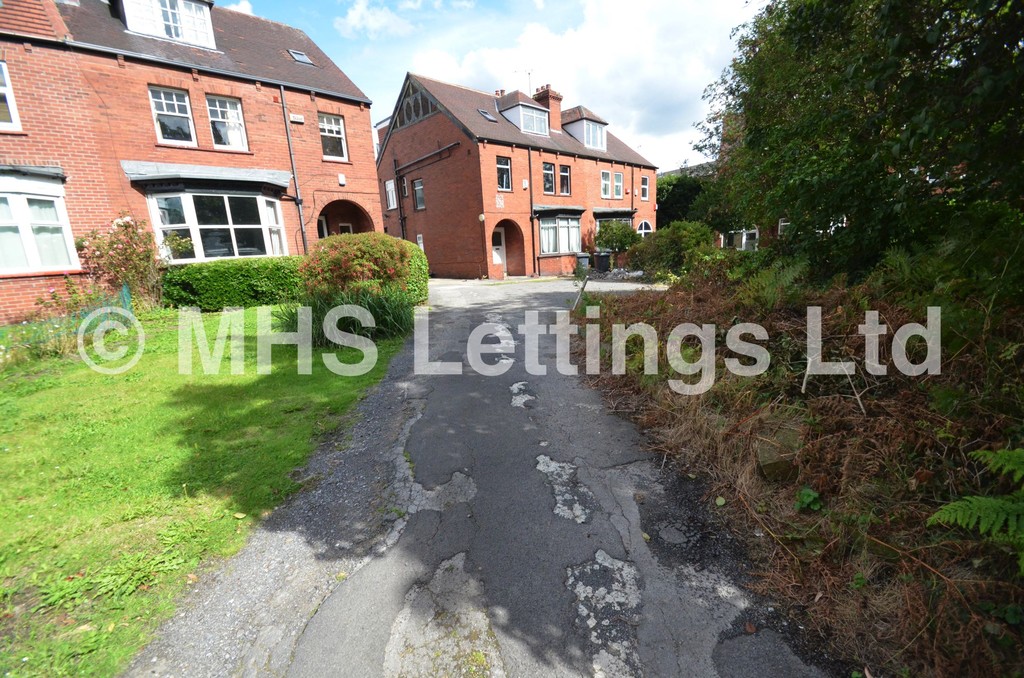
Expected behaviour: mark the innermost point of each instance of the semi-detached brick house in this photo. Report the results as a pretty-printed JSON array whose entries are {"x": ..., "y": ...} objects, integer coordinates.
[
  {"x": 505, "y": 184},
  {"x": 183, "y": 114}
]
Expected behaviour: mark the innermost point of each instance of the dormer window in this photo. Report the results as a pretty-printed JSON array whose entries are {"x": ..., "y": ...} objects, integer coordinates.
[
  {"x": 594, "y": 136},
  {"x": 178, "y": 20},
  {"x": 534, "y": 121}
]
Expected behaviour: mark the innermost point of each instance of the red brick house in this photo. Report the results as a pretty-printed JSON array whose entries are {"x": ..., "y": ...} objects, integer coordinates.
[
  {"x": 496, "y": 184},
  {"x": 236, "y": 133}
]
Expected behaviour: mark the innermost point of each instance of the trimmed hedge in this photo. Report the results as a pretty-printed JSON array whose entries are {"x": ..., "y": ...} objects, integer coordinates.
[
  {"x": 215, "y": 285},
  {"x": 372, "y": 262}
]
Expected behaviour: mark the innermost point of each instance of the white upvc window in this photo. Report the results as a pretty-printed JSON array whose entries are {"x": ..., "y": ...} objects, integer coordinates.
[
  {"x": 617, "y": 193},
  {"x": 548, "y": 169},
  {"x": 564, "y": 180},
  {"x": 504, "y": 173},
  {"x": 594, "y": 136},
  {"x": 534, "y": 121},
  {"x": 227, "y": 123},
  {"x": 606, "y": 184},
  {"x": 644, "y": 228},
  {"x": 35, "y": 233},
  {"x": 203, "y": 226},
  {"x": 185, "y": 21},
  {"x": 332, "y": 137},
  {"x": 9, "y": 120},
  {"x": 560, "y": 235},
  {"x": 418, "y": 200},
  {"x": 172, "y": 116},
  {"x": 645, "y": 188},
  {"x": 741, "y": 240},
  {"x": 390, "y": 194}
]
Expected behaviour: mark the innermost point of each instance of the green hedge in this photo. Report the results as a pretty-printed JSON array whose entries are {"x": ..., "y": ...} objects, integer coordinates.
[
  {"x": 419, "y": 274},
  {"x": 234, "y": 282}
]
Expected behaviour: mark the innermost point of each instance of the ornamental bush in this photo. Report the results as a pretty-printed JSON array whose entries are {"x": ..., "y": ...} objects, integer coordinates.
[
  {"x": 672, "y": 249},
  {"x": 123, "y": 254},
  {"x": 373, "y": 262},
  {"x": 214, "y": 285}
]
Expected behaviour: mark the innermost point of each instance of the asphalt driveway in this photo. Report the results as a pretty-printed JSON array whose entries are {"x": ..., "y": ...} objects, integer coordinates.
[{"x": 475, "y": 525}]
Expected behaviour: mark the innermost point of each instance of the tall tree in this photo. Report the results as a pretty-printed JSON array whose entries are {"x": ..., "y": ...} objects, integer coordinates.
[{"x": 871, "y": 123}]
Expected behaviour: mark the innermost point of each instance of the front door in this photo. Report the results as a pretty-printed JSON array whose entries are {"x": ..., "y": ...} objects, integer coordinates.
[{"x": 498, "y": 248}]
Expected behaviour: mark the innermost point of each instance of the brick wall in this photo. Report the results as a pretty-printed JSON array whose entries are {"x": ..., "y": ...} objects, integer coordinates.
[
  {"x": 453, "y": 238},
  {"x": 88, "y": 112}
]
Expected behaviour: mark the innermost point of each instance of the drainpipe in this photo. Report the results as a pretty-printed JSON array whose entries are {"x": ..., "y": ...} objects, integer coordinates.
[
  {"x": 295, "y": 176},
  {"x": 399, "y": 197},
  {"x": 534, "y": 235}
]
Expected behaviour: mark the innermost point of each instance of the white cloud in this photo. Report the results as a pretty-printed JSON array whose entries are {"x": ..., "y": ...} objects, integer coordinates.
[
  {"x": 373, "y": 21},
  {"x": 642, "y": 66},
  {"x": 243, "y": 6},
  {"x": 463, "y": 4},
  {"x": 539, "y": 4},
  {"x": 410, "y": 4}
]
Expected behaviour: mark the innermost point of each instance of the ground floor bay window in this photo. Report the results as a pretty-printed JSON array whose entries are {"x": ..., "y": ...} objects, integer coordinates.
[
  {"x": 35, "y": 235},
  {"x": 560, "y": 235},
  {"x": 197, "y": 226}
]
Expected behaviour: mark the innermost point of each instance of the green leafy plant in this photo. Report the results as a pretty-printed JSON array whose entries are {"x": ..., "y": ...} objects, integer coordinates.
[
  {"x": 392, "y": 311},
  {"x": 215, "y": 285},
  {"x": 123, "y": 254},
  {"x": 999, "y": 518},
  {"x": 616, "y": 237},
  {"x": 673, "y": 249},
  {"x": 370, "y": 261},
  {"x": 807, "y": 498}
]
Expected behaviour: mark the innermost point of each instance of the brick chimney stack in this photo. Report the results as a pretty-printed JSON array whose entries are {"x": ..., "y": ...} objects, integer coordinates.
[{"x": 551, "y": 100}]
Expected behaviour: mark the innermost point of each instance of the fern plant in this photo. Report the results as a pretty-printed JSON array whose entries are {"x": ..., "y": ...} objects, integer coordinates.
[{"x": 1001, "y": 517}]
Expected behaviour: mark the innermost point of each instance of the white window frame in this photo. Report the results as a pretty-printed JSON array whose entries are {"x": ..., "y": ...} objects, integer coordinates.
[
  {"x": 333, "y": 126},
  {"x": 419, "y": 201},
  {"x": 594, "y": 135},
  {"x": 538, "y": 121},
  {"x": 7, "y": 90},
  {"x": 567, "y": 175},
  {"x": 617, "y": 186},
  {"x": 177, "y": 114},
  {"x": 546, "y": 175},
  {"x": 390, "y": 194},
  {"x": 566, "y": 232},
  {"x": 506, "y": 166},
  {"x": 644, "y": 228},
  {"x": 271, "y": 224},
  {"x": 18, "y": 191},
  {"x": 645, "y": 188},
  {"x": 606, "y": 184},
  {"x": 747, "y": 240},
  {"x": 783, "y": 225},
  {"x": 192, "y": 25},
  {"x": 227, "y": 110}
]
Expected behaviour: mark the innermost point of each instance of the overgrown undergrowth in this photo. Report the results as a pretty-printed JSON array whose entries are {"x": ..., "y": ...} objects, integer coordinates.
[{"x": 840, "y": 475}]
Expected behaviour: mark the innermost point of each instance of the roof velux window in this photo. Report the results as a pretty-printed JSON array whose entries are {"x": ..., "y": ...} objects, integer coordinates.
[
  {"x": 486, "y": 115},
  {"x": 301, "y": 57}
]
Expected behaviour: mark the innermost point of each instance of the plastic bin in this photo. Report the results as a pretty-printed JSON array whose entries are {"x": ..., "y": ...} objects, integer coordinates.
[{"x": 603, "y": 261}]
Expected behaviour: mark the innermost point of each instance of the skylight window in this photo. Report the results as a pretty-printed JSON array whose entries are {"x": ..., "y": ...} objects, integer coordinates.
[
  {"x": 300, "y": 57},
  {"x": 486, "y": 115}
]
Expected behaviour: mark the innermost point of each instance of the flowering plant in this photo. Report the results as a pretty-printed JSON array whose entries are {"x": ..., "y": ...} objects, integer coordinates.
[{"x": 123, "y": 254}]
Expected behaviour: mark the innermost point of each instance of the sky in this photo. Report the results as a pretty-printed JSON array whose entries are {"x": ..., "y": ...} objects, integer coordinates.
[{"x": 642, "y": 65}]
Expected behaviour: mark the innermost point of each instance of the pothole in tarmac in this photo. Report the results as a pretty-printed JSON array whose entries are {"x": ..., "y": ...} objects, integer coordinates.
[{"x": 608, "y": 611}]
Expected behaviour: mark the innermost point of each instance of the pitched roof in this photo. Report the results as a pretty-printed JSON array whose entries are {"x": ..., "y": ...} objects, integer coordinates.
[
  {"x": 581, "y": 113},
  {"x": 463, "y": 104},
  {"x": 516, "y": 98},
  {"x": 247, "y": 46},
  {"x": 30, "y": 17}
]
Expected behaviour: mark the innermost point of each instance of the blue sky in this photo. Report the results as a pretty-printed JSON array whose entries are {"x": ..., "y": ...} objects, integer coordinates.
[{"x": 642, "y": 64}]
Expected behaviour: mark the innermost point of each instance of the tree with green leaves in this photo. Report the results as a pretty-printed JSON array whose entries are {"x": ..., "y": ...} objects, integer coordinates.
[
  {"x": 871, "y": 124},
  {"x": 676, "y": 195}
]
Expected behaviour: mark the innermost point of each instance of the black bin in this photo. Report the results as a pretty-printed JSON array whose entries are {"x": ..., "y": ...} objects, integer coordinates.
[{"x": 603, "y": 261}]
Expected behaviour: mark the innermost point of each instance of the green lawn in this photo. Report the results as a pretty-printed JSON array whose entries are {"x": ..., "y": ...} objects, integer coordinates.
[{"x": 114, "y": 488}]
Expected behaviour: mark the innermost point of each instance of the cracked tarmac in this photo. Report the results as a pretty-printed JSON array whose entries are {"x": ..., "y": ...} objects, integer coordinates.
[{"x": 472, "y": 526}]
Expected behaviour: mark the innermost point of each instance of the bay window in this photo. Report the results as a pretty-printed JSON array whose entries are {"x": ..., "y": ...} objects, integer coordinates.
[
  {"x": 560, "y": 235},
  {"x": 200, "y": 226},
  {"x": 35, "y": 234}
]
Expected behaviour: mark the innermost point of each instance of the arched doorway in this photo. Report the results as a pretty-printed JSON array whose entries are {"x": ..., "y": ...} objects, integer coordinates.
[
  {"x": 342, "y": 216},
  {"x": 515, "y": 248}
]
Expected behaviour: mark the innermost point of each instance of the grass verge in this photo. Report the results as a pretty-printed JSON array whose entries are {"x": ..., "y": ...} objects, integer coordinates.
[{"x": 115, "y": 488}]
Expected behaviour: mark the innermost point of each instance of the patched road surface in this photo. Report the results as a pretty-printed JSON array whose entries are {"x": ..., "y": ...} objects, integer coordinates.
[{"x": 479, "y": 526}]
